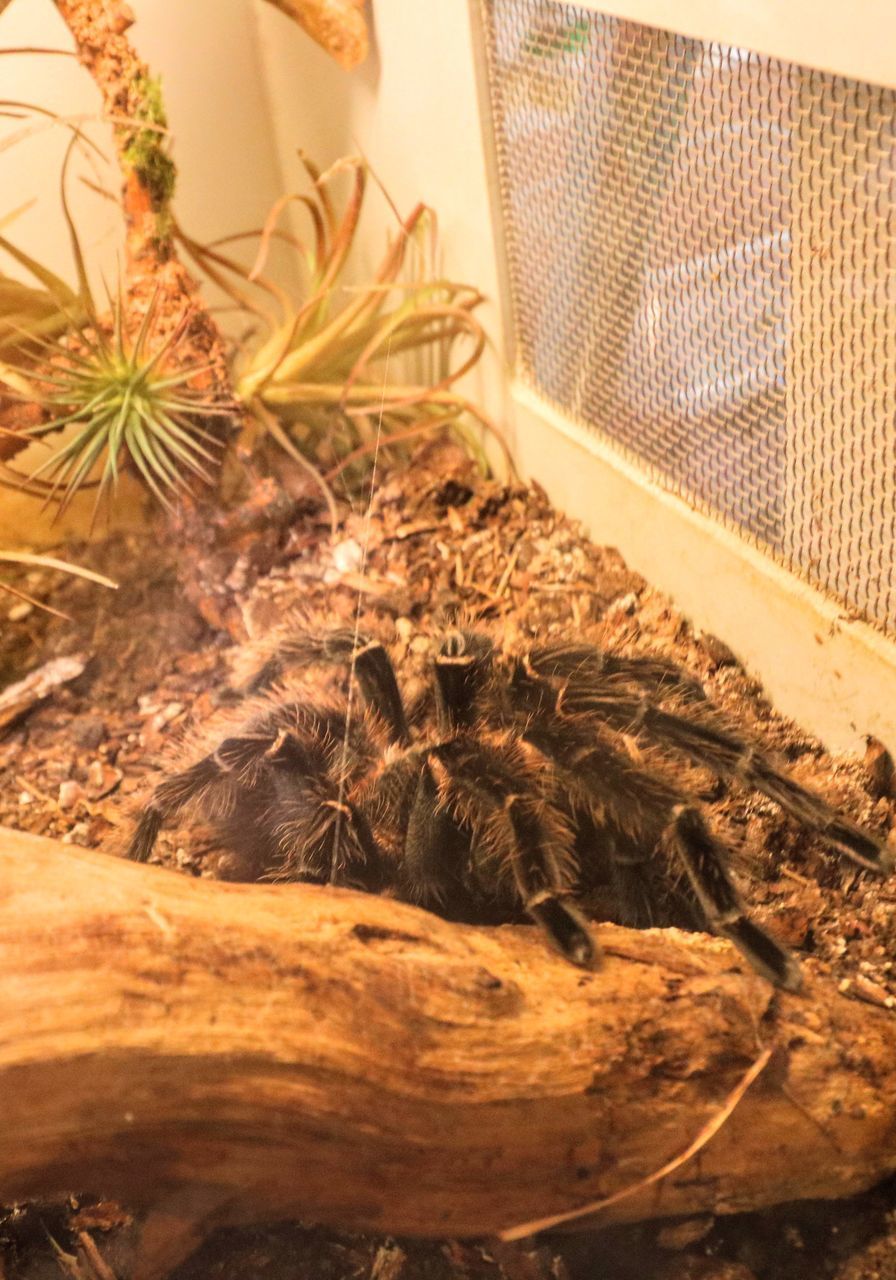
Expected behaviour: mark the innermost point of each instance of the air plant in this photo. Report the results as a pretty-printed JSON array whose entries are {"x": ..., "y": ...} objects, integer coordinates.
[
  {"x": 343, "y": 368},
  {"x": 119, "y": 398},
  {"x": 331, "y": 374},
  {"x": 111, "y": 398}
]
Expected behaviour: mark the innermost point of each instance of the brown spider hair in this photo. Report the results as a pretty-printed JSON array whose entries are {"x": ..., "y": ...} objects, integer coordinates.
[{"x": 517, "y": 784}]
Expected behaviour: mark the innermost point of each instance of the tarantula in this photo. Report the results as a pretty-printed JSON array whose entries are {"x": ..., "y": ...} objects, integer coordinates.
[{"x": 513, "y": 784}]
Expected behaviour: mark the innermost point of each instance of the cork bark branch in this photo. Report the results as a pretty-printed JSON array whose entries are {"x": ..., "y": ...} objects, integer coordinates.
[
  {"x": 338, "y": 26},
  {"x": 132, "y": 102},
  {"x": 266, "y": 1052},
  {"x": 154, "y": 276}
]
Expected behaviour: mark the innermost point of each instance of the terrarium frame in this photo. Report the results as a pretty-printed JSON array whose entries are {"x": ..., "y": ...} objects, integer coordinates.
[
  {"x": 818, "y": 634},
  {"x": 249, "y": 1005}
]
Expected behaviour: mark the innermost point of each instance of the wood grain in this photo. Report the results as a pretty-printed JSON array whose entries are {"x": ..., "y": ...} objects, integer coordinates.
[{"x": 268, "y": 1052}]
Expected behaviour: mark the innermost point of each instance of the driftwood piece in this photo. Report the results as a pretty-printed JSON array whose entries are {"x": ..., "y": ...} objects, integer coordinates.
[
  {"x": 16, "y": 700},
  {"x": 268, "y": 1052}
]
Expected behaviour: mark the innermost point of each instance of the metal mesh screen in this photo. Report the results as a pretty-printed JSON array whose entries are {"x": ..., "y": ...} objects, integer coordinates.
[{"x": 701, "y": 247}]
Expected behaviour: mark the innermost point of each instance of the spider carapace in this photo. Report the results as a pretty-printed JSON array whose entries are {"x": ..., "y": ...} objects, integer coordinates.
[{"x": 510, "y": 784}]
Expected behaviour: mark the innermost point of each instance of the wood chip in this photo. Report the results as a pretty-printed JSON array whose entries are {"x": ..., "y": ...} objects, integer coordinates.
[
  {"x": 879, "y": 764},
  {"x": 18, "y": 699},
  {"x": 102, "y": 779}
]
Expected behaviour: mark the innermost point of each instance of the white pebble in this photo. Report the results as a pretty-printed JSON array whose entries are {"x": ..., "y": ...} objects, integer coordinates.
[
  {"x": 347, "y": 556},
  {"x": 69, "y": 794}
]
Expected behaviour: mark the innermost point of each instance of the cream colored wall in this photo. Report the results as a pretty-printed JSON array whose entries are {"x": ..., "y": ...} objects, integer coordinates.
[
  {"x": 412, "y": 110},
  {"x": 29, "y": 170},
  {"x": 856, "y": 38},
  {"x": 214, "y": 88}
]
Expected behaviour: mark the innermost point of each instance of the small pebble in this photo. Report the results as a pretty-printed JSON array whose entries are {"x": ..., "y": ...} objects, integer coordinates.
[
  {"x": 88, "y": 732},
  {"x": 79, "y": 834},
  {"x": 678, "y": 1235},
  {"x": 872, "y": 993},
  {"x": 347, "y": 556},
  {"x": 230, "y": 866},
  {"x": 166, "y": 715},
  {"x": 239, "y": 575},
  {"x": 101, "y": 779},
  {"x": 70, "y": 793},
  {"x": 622, "y": 607}
]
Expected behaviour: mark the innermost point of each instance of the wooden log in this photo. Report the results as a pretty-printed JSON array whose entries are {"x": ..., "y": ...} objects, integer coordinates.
[{"x": 286, "y": 1051}]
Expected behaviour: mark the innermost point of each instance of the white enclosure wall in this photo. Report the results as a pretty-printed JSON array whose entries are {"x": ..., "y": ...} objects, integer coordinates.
[{"x": 245, "y": 88}]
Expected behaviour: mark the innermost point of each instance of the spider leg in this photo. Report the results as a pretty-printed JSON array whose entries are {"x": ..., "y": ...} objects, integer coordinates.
[
  {"x": 579, "y": 662},
  {"x": 541, "y": 889},
  {"x": 328, "y": 840},
  {"x": 233, "y": 759},
  {"x": 703, "y": 858},
  {"x": 636, "y": 804},
  {"x": 620, "y": 812},
  {"x": 716, "y": 748},
  {"x": 512, "y": 830},
  {"x": 297, "y": 644},
  {"x": 376, "y": 676},
  {"x": 459, "y": 667},
  {"x": 319, "y": 831},
  {"x": 433, "y": 844},
  {"x": 368, "y": 658}
]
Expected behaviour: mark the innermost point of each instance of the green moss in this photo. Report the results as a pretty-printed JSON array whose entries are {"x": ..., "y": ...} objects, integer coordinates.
[{"x": 145, "y": 149}]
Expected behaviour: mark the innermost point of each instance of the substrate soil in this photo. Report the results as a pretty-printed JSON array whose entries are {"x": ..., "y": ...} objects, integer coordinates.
[{"x": 435, "y": 544}]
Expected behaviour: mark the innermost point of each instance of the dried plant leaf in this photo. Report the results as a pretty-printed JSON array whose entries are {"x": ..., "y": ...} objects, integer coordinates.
[
  {"x": 325, "y": 357},
  {"x": 51, "y": 562}
]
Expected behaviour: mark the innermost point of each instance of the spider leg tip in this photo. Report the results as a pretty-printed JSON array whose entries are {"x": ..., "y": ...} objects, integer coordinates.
[
  {"x": 766, "y": 955},
  {"x": 791, "y": 977},
  {"x": 782, "y": 970},
  {"x": 583, "y": 953},
  {"x": 568, "y": 931}
]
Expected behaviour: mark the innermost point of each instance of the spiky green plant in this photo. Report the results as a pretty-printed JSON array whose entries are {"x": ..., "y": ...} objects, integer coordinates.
[
  {"x": 108, "y": 399},
  {"x": 119, "y": 398}
]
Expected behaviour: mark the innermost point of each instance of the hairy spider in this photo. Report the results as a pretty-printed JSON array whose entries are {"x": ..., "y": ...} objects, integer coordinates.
[{"x": 512, "y": 784}]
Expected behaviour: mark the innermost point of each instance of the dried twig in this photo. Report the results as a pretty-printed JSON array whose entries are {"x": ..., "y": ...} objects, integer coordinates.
[{"x": 706, "y": 1134}]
